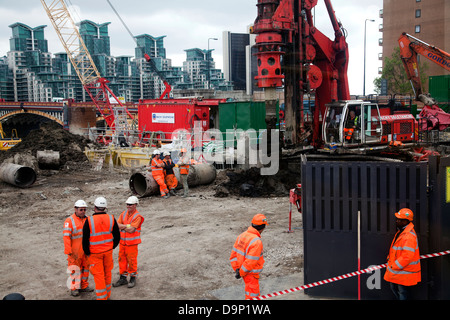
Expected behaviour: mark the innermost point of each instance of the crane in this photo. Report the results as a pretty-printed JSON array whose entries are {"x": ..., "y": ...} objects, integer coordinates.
[
  {"x": 167, "y": 86},
  {"x": 94, "y": 84}
]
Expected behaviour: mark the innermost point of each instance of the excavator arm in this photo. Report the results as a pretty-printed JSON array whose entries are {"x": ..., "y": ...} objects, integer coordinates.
[{"x": 410, "y": 47}]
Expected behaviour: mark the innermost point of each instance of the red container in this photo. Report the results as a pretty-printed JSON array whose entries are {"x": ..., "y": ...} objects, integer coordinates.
[{"x": 164, "y": 116}]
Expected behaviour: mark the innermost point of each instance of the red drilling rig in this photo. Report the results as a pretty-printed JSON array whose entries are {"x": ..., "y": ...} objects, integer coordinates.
[{"x": 292, "y": 50}]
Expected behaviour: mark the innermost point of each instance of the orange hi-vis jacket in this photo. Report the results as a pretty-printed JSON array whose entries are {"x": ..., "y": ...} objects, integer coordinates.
[
  {"x": 183, "y": 164},
  {"x": 73, "y": 235},
  {"x": 126, "y": 238},
  {"x": 156, "y": 170},
  {"x": 247, "y": 253},
  {"x": 403, "y": 266},
  {"x": 101, "y": 236}
]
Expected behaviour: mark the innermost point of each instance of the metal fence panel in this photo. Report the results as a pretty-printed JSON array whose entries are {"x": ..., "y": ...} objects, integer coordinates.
[{"x": 333, "y": 193}]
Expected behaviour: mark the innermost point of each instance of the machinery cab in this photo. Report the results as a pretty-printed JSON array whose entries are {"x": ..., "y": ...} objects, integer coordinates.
[{"x": 352, "y": 123}]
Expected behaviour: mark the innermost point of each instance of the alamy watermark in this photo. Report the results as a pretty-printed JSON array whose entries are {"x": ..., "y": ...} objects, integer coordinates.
[{"x": 244, "y": 147}]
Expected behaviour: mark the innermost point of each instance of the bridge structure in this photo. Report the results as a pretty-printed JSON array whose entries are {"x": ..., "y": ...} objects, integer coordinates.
[{"x": 75, "y": 117}]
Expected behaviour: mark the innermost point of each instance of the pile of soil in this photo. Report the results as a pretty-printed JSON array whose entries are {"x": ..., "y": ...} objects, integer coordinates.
[
  {"x": 250, "y": 183},
  {"x": 51, "y": 136}
]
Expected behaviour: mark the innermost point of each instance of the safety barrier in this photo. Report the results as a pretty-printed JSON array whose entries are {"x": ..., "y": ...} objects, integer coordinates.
[{"x": 345, "y": 276}]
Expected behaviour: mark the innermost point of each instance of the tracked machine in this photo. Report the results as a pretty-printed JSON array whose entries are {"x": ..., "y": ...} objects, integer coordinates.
[{"x": 292, "y": 53}]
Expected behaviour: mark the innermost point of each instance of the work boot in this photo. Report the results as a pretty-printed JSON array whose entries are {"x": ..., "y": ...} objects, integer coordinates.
[
  {"x": 172, "y": 192},
  {"x": 87, "y": 289},
  {"x": 166, "y": 196},
  {"x": 122, "y": 281},
  {"x": 132, "y": 282},
  {"x": 75, "y": 293}
]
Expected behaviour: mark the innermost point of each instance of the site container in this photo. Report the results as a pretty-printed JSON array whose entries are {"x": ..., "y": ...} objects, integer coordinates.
[
  {"x": 440, "y": 90},
  {"x": 242, "y": 115},
  {"x": 164, "y": 116}
]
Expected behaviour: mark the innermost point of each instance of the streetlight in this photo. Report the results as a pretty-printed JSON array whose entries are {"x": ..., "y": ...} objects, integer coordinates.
[
  {"x": 364, "y": 81},
  {"x": 209, "y": 66}
]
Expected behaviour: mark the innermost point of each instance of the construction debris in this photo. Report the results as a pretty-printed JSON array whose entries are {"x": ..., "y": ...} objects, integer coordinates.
[{"x": 51, "y": 137}]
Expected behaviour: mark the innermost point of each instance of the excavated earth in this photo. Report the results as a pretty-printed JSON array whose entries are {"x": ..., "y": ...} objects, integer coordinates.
[{"x": 186, "y": 242}]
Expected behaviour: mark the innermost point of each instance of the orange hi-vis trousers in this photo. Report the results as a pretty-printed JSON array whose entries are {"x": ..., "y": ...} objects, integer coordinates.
[
  {"x": 101, "y": 265},
  {"x": 251, "y": 286},
  {"x": 159, "y": 178},
  {"x": 128, "y": 260},
  {"x": 171, "y": 181},
  {"x": 79, "y": 269}
]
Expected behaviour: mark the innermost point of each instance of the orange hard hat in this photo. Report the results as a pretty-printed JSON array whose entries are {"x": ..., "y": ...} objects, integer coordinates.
[
  {"x": 405, "y": 213},
  {"x": 259, "y": 219},
  {"x": 183, "y": 149}
]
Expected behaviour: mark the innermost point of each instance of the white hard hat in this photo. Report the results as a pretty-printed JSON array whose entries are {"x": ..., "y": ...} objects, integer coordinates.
[
  {"x": 166, "y": 153},
  {"x": 156, "y": 152},
  {"x": 132, "y": 200},
  {"x": 80, "y": 204},
  {"x": 100, "y": 202}
]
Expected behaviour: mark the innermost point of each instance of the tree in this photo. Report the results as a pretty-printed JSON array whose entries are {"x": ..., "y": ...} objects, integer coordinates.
[{"x": 395, "y": 73}]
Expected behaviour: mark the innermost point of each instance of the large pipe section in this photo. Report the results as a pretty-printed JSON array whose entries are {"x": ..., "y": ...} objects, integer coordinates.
[
  {"x": 143, "y": 184},
  {"x": 17, "y": 175}
]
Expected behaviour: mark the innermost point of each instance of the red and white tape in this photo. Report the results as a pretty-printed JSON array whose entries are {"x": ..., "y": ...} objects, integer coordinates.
[{"x": 345, "y": 276}]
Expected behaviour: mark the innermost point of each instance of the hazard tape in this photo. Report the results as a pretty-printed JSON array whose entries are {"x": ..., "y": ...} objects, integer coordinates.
[{"x": 345, "y": 276}]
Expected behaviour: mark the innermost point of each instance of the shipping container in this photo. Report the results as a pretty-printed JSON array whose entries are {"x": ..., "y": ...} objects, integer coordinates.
[
  {"x": 440, "y": 90},
  {"x": 243, "y": 115},
  {"x": 164, "y": 116}
]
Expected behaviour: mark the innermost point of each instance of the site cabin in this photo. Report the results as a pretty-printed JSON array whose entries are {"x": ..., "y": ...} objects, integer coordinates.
[
  {"x": 162, "y": 117},
  {"x": 372, "y": 126}
]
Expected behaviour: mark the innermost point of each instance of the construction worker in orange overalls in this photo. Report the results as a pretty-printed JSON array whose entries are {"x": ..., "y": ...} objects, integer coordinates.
[
  {"x": 100, "y": 236},
  {"x": 130, "y": 222},
  {"x": 403, "y": 266},
  {"x": 157, "y": 167},
  {"x": 77, "y": 260},
  {"x": 171, "y": 180},
  {"x": 247, "y": 258}
]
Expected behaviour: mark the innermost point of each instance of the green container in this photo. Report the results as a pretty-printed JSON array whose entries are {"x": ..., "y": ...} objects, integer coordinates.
[
  {"x": 242, "y": 115},
  {"x": 440, "y": 88}
]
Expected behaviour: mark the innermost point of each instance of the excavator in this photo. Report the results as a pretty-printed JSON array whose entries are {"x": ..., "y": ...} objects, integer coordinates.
[
  {"x": 8, "y": 143},
  {"x": 410, "y": 48}
]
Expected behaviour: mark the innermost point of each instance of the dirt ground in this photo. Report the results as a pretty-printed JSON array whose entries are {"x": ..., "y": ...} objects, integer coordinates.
[{"x": 186, "y": 242}]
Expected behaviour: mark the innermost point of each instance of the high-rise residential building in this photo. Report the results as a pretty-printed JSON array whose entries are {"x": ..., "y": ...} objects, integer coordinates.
[
  {"x": 427, "y": 20},
  {"x": 30, "y": 63},
  {"x": 202, "y": 73},
  {"x": 30, "y": 73},
  {"x": 98, "y": 44}
]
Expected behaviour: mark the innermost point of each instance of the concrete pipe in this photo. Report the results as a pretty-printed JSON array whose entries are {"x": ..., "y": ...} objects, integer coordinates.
[
  {"x": 143, "y": 184},
  {"x": 17, "y": 175},
  {"x": 48, "y": 159}
]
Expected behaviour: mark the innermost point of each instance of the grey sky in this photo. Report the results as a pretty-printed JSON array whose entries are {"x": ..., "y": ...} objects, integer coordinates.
[{"x": 189, "y": 24}]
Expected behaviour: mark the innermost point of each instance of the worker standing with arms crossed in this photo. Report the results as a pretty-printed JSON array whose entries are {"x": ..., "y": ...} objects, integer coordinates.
[
  {"x": 100, "y": 236},
  {"x": 77, "y": 260},
  {"x": 183, "y": 164},
  {"x": 130, "y": 222},
  {"x": 247, "y": 258},
  {"x": 403, "y": 266},
  {"x": 157, "y": 167},
  {"x": 171, "y": 180}
]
